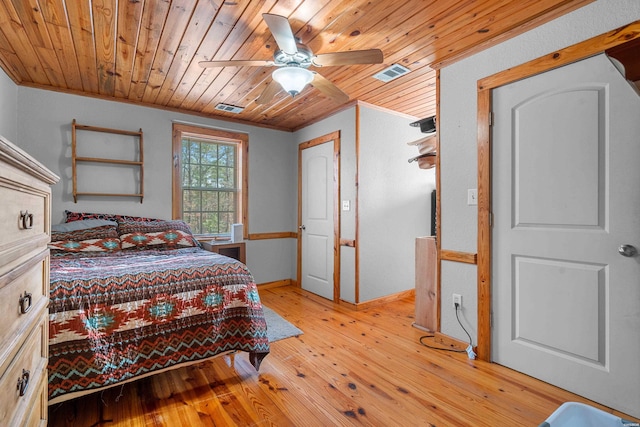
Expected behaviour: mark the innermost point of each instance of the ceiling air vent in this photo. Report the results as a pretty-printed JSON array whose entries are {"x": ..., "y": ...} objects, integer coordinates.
[
  {"x": 391, "y": 73},
  {"x": 229, "y": 108}
]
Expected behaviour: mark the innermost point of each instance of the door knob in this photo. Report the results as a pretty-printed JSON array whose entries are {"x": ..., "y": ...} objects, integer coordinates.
[
  {"x": 302, "y": 227},
  {"x": 628, "y": 250}
]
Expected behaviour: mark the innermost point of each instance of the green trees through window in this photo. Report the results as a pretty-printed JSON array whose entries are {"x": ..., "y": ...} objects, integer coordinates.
[{"x": 210, "y": 189}]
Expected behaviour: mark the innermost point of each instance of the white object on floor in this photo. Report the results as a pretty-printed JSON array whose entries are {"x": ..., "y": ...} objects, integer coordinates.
[
  {"x": 470, "y": 352},
  {"x": 574, "y": 414}
]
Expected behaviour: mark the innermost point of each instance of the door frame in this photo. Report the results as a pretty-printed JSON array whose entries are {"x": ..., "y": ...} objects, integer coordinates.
[
  {"x": 577, "y": 52},
  {"x": 335, "y": 137}
]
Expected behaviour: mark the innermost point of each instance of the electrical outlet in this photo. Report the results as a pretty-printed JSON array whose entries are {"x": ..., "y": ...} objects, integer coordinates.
[{"x": 457, "y": 299}]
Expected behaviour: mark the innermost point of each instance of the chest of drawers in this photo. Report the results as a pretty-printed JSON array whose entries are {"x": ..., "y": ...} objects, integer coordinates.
[{"x": 25, "y": 214}]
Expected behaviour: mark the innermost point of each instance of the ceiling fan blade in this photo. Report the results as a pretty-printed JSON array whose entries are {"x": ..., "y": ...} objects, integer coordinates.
[
  {"x": 282, "y": 32},
  {"x": 329, "y": 89},
  {"x": 369, "y": 56},
  {"x": 235, "y": 63},
  {"x": 273, "y": 87}
]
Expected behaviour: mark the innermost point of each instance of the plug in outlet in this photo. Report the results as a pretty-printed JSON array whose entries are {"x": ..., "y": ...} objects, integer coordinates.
[{"x": 457, "y": 299}]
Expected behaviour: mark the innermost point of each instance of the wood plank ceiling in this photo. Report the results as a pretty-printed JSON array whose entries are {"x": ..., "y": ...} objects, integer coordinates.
[{"x": 147, "y": 51}]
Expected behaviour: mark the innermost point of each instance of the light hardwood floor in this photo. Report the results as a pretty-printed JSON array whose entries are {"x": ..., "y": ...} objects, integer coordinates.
[{"x": 348, "y": 368}]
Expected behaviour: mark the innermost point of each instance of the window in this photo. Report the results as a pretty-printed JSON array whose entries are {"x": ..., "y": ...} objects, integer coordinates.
[{"x": 209, "y": 179}]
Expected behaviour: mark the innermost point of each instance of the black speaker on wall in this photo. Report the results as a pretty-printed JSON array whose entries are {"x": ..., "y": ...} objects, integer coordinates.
[{"x": 433, "y": 213}]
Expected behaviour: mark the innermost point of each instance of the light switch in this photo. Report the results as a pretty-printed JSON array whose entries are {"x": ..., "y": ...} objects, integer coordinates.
[
  {"x": 346, "y": 205},
  {"x": 472, "y": 197}
]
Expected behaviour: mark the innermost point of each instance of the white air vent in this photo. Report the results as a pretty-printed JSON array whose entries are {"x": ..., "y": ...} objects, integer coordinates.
[
  {"x": 229, "y": 108},
  {"x": 391, "y": 73}
]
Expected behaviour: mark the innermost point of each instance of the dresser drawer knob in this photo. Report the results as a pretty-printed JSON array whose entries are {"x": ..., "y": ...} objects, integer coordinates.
[
  {"x": 27, "y": 220},
  {"x": 25, "y": 302},
  {"x": 23, "y": 382}
]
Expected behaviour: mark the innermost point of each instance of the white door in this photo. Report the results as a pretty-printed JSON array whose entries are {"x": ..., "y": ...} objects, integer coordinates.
[
  {"x": 566, "y": 195},
  {"x": 317, "y": 220}
]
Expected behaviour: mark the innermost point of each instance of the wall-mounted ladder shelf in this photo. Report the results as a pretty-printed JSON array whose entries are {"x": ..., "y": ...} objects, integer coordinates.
[{"x": 133, "y": 163}]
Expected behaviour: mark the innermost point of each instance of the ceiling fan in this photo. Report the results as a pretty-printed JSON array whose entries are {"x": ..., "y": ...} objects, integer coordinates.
[{"x": 292, "y": 59}]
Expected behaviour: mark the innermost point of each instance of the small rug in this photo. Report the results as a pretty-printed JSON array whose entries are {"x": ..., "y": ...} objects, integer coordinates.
[{"x": 277, "y": 327}]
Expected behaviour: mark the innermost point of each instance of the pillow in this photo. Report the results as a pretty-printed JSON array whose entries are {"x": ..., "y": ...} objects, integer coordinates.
[
  {"x": 90, "y": 245},
  {"x": 155, "y": 234},
  {"x": 82, "y": 225},
  {"x": 101, "y": 232},
  {"x": 96, "y": 239},
  {"x": 79, "y": 216}
]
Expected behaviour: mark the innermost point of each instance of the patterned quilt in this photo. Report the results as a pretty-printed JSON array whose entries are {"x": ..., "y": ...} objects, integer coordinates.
[{"x": 117, "y": 316}]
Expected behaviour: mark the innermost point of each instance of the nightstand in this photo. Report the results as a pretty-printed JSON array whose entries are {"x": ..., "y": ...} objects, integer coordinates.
[{"x": 232, "y": 250}]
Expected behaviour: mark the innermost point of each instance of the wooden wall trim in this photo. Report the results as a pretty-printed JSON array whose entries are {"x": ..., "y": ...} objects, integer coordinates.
[
  {"x": 275, "y": 284},
  {"x": 348, "y": 242},
  {"x": 357, "y": 209},
  {"x": 276, "y": 235},
  {"x": 319, "y": 140},
  {"x": 378, "y": 301},
  {"x": 347, "y": 305},
  {"x": 336, "y": 216},
  {"x": 299, "y": 243},
  {"x": 579, "y": 51},
  {"x": 242, "y": 139},
  {"x": 438, "y": 209},
  {"x": 456, "y": 256},
  {"x": 564, "y": 56},
  {"x": 176, "y": 190},
  {"x": 484, "y": 227}
]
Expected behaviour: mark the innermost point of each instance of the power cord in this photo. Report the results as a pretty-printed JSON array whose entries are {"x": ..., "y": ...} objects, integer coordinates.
[
  {"x": 468, "y": 350},
  {"x": 453, "y": 350}
]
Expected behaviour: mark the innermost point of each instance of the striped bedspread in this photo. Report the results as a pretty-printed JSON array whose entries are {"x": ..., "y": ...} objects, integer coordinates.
[{"x": 114, "y": 317}]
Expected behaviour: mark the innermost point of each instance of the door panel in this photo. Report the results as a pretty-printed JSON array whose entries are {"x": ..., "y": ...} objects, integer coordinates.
[
  {"x": 565, "y": 175},
  {"x": 554, "y": 186},
  {"x": 555, "y": 285}
]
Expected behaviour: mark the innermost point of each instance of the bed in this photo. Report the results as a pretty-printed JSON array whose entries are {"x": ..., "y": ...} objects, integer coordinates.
[{"x": 134, "y": 297}]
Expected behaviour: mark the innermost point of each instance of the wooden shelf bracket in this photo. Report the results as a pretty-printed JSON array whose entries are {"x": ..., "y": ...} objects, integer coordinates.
[{"x": 132, "y": 163}]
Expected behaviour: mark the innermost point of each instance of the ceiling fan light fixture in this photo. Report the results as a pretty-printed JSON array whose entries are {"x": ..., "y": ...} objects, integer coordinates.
[{"x": 292, "y": 79}]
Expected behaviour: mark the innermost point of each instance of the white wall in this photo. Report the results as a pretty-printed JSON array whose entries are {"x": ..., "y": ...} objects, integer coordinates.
[
  {"x": 8, "y": 110},
  {"x": 458, "y": 130},
  {"x": 44, "y": 131},
  {"x": 395, "y": 203}
]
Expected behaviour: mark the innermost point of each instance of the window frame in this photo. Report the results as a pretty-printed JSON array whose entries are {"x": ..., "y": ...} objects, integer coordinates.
[{"x": 181, "y": 130}]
